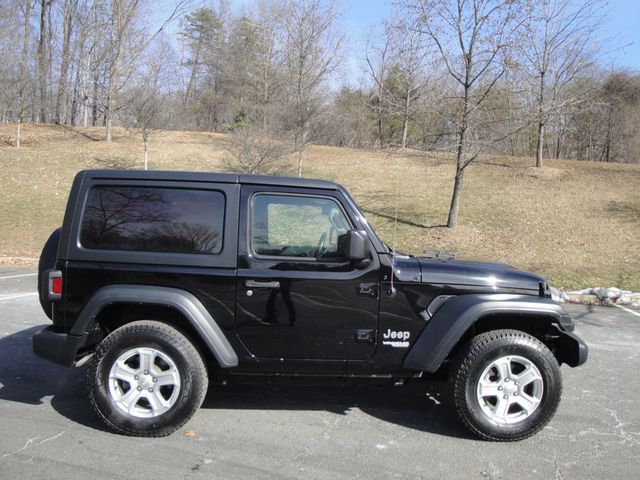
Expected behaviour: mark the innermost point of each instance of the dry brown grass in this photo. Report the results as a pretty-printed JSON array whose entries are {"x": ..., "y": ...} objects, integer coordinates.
[{"x": 576, "y": 222}]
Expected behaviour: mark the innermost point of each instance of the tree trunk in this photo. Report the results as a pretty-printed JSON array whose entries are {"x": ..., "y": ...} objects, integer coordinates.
[
  {"x": 145, "y": 140},
  {"x": 74, "y": 101},
  {"x": 18, "y": 132},
  {"x": 452, "y": 221},
  {"x": 540, "y": 145},
  {"x": 560, "y": 137},
  {"x": 192, "y": 77},
  {"x": 64, "y": 68},
  {"x": 405, "y": 121},
  {"x": 300, "y": 152},
  {"x": 85, "y": 87},
  {"x": 108, "y": 114},
  {"x": 265, "y": 91},
  {"x": 23, "y": 68},
  {"x": 541, "y": 115},
  {"x": 95, "y": 66},
  {"x": 94, "y": 105},
  {"x": 108, "y": 125},
  {"x": 42, "y": 61},
  {"x": 608, "y": 135}
]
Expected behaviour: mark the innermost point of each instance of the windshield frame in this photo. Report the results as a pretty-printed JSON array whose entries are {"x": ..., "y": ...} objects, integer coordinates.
[{"x": 379, "y": 245}]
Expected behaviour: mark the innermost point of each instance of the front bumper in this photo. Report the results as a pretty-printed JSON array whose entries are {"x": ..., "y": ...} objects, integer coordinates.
[
  {"x": 573, "y": 351},
  {"x": 60, "y": 348}
]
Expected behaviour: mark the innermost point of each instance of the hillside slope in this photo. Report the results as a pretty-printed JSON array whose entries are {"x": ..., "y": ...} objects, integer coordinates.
[{"x": 578, "y": 223}]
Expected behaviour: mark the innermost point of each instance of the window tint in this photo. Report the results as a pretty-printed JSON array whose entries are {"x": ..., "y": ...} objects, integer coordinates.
[
  {"x": 297, "y": 226},
  {"x": 153, "y": 219}
]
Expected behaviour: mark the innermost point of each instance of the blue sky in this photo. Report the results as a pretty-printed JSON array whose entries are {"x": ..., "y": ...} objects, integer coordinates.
[
  {"x": 624, "y": 28},
  {"x": 622, "y": 31}
]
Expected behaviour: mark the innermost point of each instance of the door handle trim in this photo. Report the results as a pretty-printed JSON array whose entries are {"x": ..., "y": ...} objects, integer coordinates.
[{"x": 257, "y": 284}]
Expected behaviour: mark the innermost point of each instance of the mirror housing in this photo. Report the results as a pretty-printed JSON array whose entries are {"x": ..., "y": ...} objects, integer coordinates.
[{"x": 355, "y": 245}]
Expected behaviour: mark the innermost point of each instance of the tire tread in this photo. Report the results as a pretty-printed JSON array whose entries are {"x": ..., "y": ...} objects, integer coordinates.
[
  {"x": 463, "y": 366},
  {"x": 170, "y": 335}
]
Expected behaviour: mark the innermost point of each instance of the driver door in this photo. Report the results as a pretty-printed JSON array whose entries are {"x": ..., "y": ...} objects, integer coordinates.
[{"x": 298, "y": 297}]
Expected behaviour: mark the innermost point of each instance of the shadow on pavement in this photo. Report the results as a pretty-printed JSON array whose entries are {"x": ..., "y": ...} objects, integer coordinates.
[
  {"x": 25, "y": 378},
  {"x": 423, "y": 406}
]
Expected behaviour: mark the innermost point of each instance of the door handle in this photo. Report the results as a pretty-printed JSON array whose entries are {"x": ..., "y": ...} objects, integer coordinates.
[{"x": 256, "y": 284}]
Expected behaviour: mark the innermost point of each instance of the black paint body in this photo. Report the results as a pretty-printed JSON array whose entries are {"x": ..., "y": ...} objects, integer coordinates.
[{"x": 325, "y": 317}]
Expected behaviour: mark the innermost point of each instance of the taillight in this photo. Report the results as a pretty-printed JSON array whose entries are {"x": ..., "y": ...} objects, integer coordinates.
[{"x": 55, "y": 284}]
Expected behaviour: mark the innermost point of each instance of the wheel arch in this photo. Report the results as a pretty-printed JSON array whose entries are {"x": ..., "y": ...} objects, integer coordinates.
[
  {"x": 118, "y": 314},
  {"x": 461, "y": 318},
  {"x": 116, "y": 305}
]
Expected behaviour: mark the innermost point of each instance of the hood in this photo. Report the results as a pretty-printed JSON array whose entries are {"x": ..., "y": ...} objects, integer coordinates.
[{"x": 479, "y": 274}]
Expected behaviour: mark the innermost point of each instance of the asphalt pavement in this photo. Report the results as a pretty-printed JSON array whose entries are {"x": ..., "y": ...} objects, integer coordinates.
[{"x": 48, "y": 430}]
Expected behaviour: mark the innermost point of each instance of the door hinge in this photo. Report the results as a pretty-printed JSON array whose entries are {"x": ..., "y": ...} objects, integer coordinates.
[{"x": 366, "y": 335}]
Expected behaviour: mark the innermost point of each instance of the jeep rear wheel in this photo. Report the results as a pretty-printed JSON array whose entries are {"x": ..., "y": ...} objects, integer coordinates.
[
  {"x": 507, "y": 385},
  {"x": 146, "y": 379}
]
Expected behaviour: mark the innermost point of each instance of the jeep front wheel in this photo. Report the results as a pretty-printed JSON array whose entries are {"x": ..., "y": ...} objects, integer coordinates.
[
  {"x": 507, "y": 385},
  {"x": 146, "y": 379}
]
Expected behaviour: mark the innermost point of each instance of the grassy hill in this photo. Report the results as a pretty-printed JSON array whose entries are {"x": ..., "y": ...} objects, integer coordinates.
[{"x": 578, "y": 223}]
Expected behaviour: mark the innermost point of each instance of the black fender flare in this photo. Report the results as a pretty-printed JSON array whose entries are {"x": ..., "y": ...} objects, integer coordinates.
[
  {"x": 458, "y": 314},
  {"x": 182, "y": 301}
]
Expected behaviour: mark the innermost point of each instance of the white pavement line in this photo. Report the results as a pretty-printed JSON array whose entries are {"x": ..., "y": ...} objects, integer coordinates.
[
  {"x": 627, "y": 310},
  {"x": 14, "y": 297},
  {"x": 18, "y": 276}
]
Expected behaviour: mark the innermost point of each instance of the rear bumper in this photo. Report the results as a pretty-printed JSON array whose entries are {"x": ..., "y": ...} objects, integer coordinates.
[{"x": 60, "y": 348}]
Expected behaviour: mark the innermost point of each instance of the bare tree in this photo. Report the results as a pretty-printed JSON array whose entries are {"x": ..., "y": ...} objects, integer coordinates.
[
  {"x": 472, "y": 38},
  {"x": 407, "y": 74},
  {"x": 122, "y": 23},
  {"x": 10, "y": 29},
  {"x": 147, "y": 100},
  {"x": 123, "y": 14},
  {"x": 397, "y": 68},
  {"x": 23, "y": 86},
  {"x": 256, "y": 151},
  {"x": 377, "y": 60},
  {"x": 147, "y": 110},
  {"x": 44, "y": 62},
  {"x": 267, "y": 80},
  {"x": 311, "y": 54},
  {"x": 69, "y": 12},
  {"x": 559, "y": 43}
]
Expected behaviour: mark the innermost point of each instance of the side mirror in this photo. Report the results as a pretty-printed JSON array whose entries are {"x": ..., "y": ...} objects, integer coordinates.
[{"x": 355, "y": 245}]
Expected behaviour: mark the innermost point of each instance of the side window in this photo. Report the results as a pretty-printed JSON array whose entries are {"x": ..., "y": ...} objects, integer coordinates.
[
  {"x": 297, "y": 226},
  {"x": 153, "y": 220}
]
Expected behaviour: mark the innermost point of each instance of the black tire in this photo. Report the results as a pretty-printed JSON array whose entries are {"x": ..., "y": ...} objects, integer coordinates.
[
  {"x": 47, "y": 261},
  {"x": 512, "y": 348},
  {"x": 170, "y": 344}
]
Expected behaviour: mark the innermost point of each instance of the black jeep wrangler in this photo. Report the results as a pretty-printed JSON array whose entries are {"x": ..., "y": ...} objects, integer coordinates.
[{"x": 163, "y": 280}]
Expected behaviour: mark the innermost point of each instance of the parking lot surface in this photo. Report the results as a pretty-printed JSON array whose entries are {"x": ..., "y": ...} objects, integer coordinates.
[{"x": 340, "y": 431}]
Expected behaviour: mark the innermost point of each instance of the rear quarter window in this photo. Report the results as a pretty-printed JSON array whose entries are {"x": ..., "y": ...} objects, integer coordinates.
[{"x": 173, "y": 220}]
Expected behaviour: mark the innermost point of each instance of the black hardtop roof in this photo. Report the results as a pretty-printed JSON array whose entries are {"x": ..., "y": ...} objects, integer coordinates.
[{"x": 165, "y": 175}]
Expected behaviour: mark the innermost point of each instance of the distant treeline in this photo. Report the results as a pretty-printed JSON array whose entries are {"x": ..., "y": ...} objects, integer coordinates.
[{"x": 514, "y": 77}]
